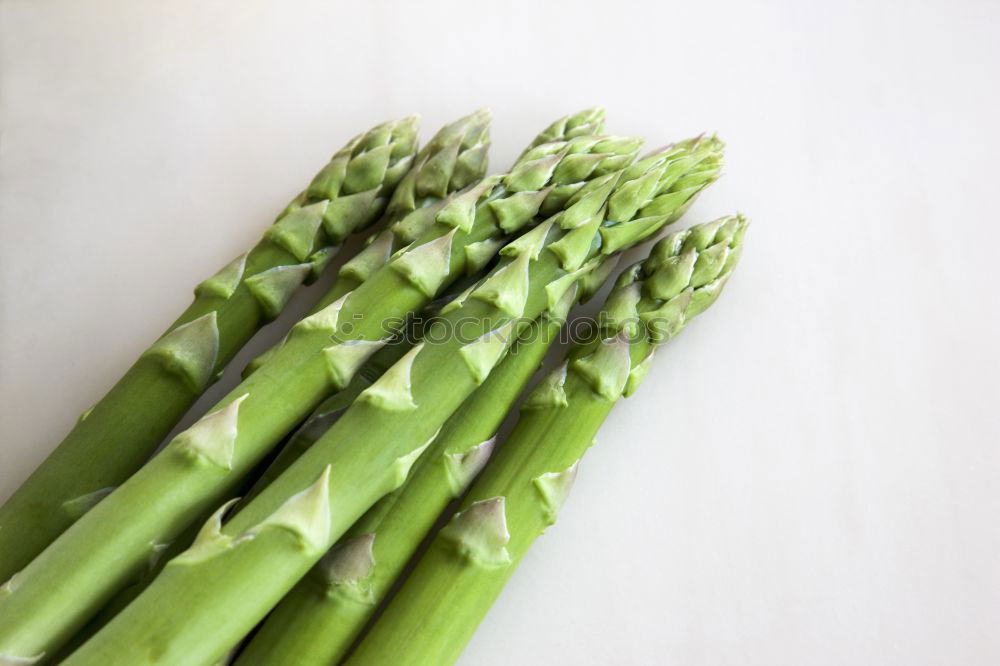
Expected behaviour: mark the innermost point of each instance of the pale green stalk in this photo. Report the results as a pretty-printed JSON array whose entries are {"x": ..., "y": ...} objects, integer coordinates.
[
  {"x": 318, "y": 423},
  {"x": 118, "y": 434},
  {"x": 518, "y": 496},
  {"x": 321, "y": 617},
  {"x": 72, "y": 579},
  {"x": 329, "y": 411},
  {"x": 200, "y": 605}
]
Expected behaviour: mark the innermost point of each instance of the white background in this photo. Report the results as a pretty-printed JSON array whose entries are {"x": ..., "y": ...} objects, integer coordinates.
[{"x": 808, "y": 476}]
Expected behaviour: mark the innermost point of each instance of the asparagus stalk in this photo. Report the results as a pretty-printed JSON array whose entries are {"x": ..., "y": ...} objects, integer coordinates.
[
  {"x": 200, "y": 605},
  {"x": 321, "y": 617},
  {"x": 51, "y": 598},
  {"x": 520, "y": 493},
  {"x": 320, "y": 420},
  {"x": 325, "y": 612},
  {"x": 331, "y": 408},
  {"x": 118, "y": 434},
  {"x": 329, "y": 411}
]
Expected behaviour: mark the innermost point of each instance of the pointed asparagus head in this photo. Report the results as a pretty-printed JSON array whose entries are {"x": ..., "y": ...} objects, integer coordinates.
[
  {"x": 582, "y": 170},
  {"x": 454, "y": 158},
  {"x": 357, "y": 181},
  {"x": 573, "y": 178},
  {"x": 603, "y": 204},
  {"x": 651, "y": 302},
  {"x": 656, "y": 190},
  {"x": 552, "y": 177},
  {"x": 581, "y": 123},
  {"x": 683, "y": 275}
]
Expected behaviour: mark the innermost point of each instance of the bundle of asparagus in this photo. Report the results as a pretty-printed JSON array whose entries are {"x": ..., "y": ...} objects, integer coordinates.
[
  {"x": 520, "y": 493},
  {"x": 70, "y": 580},
  {"x": 117, "y": 435},
  {"x": 321, "y": 617},
  {"x": 400, "y": 427},
  {"x": 369, "y": 451}
]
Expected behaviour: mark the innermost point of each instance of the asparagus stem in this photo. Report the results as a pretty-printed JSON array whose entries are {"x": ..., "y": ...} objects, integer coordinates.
[
  {"x": 200, "y": 606},
  {"x": 118, "y": 434},
  {"x": 103, "y": 551},
  {"x": 329, "y": 411},
  {"x": 299, "y": 441},
  {"x": 320, "y": 618},
  {"x": 520, "y": 493}
]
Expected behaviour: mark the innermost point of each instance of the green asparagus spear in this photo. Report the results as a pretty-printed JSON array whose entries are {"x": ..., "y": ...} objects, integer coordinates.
[
  {"x": 521, "y": 491},
  {"x": 200, "y": 605},
  {"x": 321, "y": 617},
  {"x": 118, "y": 434},
  {"x": 59, "y": 590}
]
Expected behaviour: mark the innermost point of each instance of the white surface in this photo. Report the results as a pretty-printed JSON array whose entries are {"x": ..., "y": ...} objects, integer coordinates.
[{"x": 809, "y": 476}]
